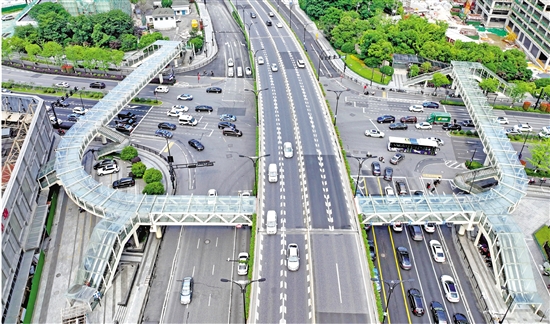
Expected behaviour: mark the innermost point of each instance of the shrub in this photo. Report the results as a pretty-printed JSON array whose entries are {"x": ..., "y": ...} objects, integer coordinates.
[
  {"x": 152, "y": 175},
  {"x": 473, "y": 165},
  {"x": 348, "y": 48},
  {"x": 128, "y": 153},
  {"x": 154, "y": 188},
  {"x": 138, "y": 169},
  {"x": 526, "y": 105}
]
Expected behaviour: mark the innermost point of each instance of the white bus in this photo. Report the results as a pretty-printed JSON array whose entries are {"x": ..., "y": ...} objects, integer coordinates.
[{"x": 412, "y": 145}]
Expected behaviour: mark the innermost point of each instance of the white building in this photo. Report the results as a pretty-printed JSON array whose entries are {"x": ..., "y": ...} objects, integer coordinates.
[{"x": 162, "y": 19}]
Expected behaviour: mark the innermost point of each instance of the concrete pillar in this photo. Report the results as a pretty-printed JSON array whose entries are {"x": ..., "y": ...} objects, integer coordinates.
[
  {"x": 158, "y": 232},
  {"x": 103, "y": 140},
  {"x": 425, "y": 83},
  {"x": 136, "y": 239},
  {"x": 461, "y": 230},
  {"x": 161, "y": 78}
]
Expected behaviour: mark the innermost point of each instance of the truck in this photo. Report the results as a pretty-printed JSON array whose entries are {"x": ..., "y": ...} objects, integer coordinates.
[{"x": 439, "y": 117}]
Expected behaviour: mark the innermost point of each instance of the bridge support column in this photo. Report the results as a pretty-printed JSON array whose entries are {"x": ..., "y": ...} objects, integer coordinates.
[
  {"x": 103, "y": 140},
  {"x": 161, "y": 79},
  {"x": 136, "y": 239},
  {"x": 157, "y": 230},
  {"x": 461, "y": 230}
]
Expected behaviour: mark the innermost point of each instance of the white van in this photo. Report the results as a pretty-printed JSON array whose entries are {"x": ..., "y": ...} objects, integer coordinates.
[
  {"x": 187, "y": 120},
  {"x": 230, "y": 72},
  {"x": 272, "y": 173},
  {"x": 239, "y": 72},
  {"x": 271, "y": 222}
]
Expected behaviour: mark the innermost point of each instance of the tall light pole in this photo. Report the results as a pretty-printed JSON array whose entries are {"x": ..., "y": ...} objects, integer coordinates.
[
  {"x": 244, "y": 18},
  {"x": 290, "y": 4},
  {"x": 171, "y": 166},
  {"x": 254, "y": 160},
  {"x": 243, "y": 284},
  {"x": 249, "y": 25},
  {"x": 525, "y": 141},
  {"x": 305, "y": 26},
  {"x": 261, "y": 49},
  {"x": 509, "y": 306},
  {"x": 338, "y": 94},
  {"x": 256, "y": 94},
  {"x": 391, "y": 284},
  {"x": 361, "y": 160}
]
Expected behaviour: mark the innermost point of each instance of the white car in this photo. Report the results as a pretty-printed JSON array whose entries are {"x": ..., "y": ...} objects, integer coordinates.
[
  {"x": 248, "y": 71},
  {"x": 437, "y": 251},
  {"x": 230, "y": 62},
  {"x": 389, "y": 192},
  {"x": 416, "y": 108},
  {"x": 502, "y": 120},
  {"x": 279, "y": 25},
  {"x": 242, "y": 269},
  {"x": 274, "y": 67},
  {"x": 79, "y": 110},
  {"x": 301, "y": 64},
  {"x": 62, "y": 85},
  {"x": 212, "y": 194},
  {"x": 524, "y": 128},
  {"x": 185, "y": 96},
  {"x": 270, "y": 14},
  {"x": 429, "y": 228},
  {"x": 162, "y": 89},
  {"x": 423, "y": 125},
  {"x": 173, "y": 113},
  {"x": 108, "y": 169},
  {"x": 374, "y": 133},
  {"x": 52, "y": 120},
  {"x": 450, "y": 289},
  {"x": 287, "y": 150},
  {"x": 439, "y": 141},
  {"x": 180, "y": 108},
  {"x": 512, "y": 131},
  {"x": 398, "y": 227},
  {"x": 293, "y": 257},
  {"x": 261, "y": 60}
]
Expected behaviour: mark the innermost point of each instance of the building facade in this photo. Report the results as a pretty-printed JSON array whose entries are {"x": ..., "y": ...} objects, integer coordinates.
[
  {"x": 86, "y": 7},
  {"x": 494, "y": 12}
]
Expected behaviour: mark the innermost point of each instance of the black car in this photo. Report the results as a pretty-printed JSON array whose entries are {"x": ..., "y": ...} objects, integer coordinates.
[
  {"x": 124, "y": 182},
  {"x": 372, "y": 250},
  {"x": 127, "y": 114},
  {"x": 459, "y": 318},
  {"x": 417, "y": 304},
  {"x": 103, "y": 163},
  {"x": 438, "y": 312},
  {"x": 398, "y": 157},
  {"x": 449, "y": 126},
  {"x": 409, "y": 119},
  {"x": 196, "y": 144},
  {"x": 62, "y": 103},
  {"x": 124, "y": 128},
  {"x": 232, "y": 132},
  {"x": 73, "y": 117},
  {"x": 127, "y": 121},
  {"x": 430, "y": 104},
  {"x": 403, "y": 258},
  {"x": 467, "y": 123},
  {"x": 376, "y": 168},
  {"x": 225, "y": 124},
  {"x": 398, "y": 126},
  {"x": 388, "y": 174},
  {"x": 214, "y": 89},
  {"x": 166, "y": 125},
  {"x": 386, "y": 119},
  {"x": 268, "y": 22},
  {"x": 97, "y": 85},
  {"x": 204, "y": 108}
]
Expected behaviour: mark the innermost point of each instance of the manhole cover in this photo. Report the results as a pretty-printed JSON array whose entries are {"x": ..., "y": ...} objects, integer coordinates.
[
  {"x": 58, "y": 275},
  {"x": 352, "y": 115},
  {"x": 206, "y": 241}
]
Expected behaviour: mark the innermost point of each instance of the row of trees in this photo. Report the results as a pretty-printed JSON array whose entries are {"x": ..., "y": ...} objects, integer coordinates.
[
  {"x": 151, "y": 176},
  {"x": 518, "y": 93},
  {"x": 379, "y": 38},
  {"x": 365, "y": 9}
]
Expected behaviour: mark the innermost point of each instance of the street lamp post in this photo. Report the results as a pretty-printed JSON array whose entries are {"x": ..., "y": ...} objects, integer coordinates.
[
  {"x": 249, "y": 25},
  {"x": 243, "y": 284},
  {"x": 391, "y": 284},
  {"x": 244, "y": 18},
  {"x": 305, "y": 26},
  {"x": 170, "y": 165},
  {"x": 256, "y": 94},
  {"x": 290, "y": 19},
  {"x": 254, "y": 160},
  {"x": 361, "y": 160},
  {"x": 338, "y": 94},
  {"x": 525, "y": 141},
  {"x": 80, "y": 94},
  {"x": 509, "y": 306}
]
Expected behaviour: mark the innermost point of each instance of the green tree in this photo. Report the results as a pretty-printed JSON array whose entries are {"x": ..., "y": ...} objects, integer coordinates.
[
  {"x": 439, "y": 80},
  {"x": 330, "y": 19},
  {"x": 348, "y": 48},
  {"x": 381, "y": 50},
  {"x": 541, "y": 83},
  {"x": 154, "y": 188},
  {"x": 198, "y": 42},
  {"x": 117, "y": 57},
  {"x": 53, "y": 27},
  {"x": 128, "y": 153},
  {"x": 52, "y": 49},
  {"x": 138, "y": 169},
  {"x": 489, "y": 85},
  {"x": 32, "y": 50},
  {"x": 153, "y": 37},
  {"x": 74, "y": 54},
  {"x": 47, "y": 7},
  {"x": 90, "y": 57},
  {"x": 114, "y": 23},
  {"x": 540, "y": 156},
  {"x": 518, "y": 92},
  {"x": 128, "y": 42},
  {"x": 426, "y": 66},
  {"x": 152, "y": 175},
  {"x": 100, "y": 38},
  {"x": 414, "y": 71},
  {"x": 81, "y": 28},
  {"x": 28, "y": 33},
  {"x": 387, "y": 70},
  {"x": 166, "y": 3}
]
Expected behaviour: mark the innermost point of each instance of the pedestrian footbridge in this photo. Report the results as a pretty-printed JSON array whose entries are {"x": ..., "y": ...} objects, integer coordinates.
[{"x": 491, "y": 209}]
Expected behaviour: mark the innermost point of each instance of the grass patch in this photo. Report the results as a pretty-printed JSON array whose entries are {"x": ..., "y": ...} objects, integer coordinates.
[
  {"x": 251, "y": 260},
  {"x": 358, "y": 66},
  {"x": 452, "y": 103},
  {"x": 542, "y": 235}
]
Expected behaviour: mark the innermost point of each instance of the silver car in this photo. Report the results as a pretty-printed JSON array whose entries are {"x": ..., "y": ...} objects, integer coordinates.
[
  {"x": 293, "y": 257},
  {"x": 186, "y": 291}
]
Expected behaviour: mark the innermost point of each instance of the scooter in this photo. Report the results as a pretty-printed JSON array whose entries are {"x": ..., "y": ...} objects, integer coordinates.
[{"x": 531, "y": 181}]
